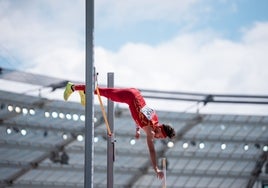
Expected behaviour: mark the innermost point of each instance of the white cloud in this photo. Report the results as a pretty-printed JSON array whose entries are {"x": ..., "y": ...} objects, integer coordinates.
[
  {"x": 41, "y": 38},
  {"x": 188, "y": 62},
  {"x": 257, "y": 34}
]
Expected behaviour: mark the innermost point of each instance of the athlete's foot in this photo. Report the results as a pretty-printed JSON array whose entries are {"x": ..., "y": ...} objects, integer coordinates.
[
  {"x": 68, "y": 91},
  {"x": 82, "y": 98}
]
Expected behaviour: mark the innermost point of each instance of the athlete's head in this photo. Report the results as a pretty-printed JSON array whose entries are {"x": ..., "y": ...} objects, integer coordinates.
[
  {"x": 170, "y": 132},
  {"x": 164, "y": 131}
]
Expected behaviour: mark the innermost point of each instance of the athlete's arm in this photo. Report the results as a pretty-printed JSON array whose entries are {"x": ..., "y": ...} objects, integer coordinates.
[
  {"x": 150, "y": 142},
  {"x": 137, "y": 136}
]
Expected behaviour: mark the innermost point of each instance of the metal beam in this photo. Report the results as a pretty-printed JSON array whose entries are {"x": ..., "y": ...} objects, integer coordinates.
[
  {"x": 45, "y": 81},
  {"x": 29, "y": 78},
  {"x": 206, "y": 97}
]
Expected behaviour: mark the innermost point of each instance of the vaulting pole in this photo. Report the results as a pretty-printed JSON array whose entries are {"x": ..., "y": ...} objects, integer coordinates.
[
  {"x": 111, "y": 139},
  {"x": 90, "y": 83}
]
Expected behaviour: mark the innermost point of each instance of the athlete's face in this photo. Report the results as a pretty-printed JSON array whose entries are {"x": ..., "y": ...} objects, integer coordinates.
[{"x": 158, "y": 133}]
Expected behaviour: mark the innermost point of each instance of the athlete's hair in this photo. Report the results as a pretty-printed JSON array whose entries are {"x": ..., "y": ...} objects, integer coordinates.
[{"x": 170, "y": 132}]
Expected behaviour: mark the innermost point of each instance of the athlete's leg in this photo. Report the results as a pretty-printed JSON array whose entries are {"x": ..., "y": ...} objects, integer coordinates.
[
  {"x": 117, "y": 94},
  {"x": 81, "y": 87},
  {"x": 82, "y": 97},
  {"x": 125, "y": 95}
]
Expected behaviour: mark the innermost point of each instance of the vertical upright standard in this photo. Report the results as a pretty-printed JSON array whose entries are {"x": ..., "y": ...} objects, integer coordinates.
[
  {"x": 90, "y": 83},
  {"x": 164, "y": 166},
  {"x": 111, "y": 139}
]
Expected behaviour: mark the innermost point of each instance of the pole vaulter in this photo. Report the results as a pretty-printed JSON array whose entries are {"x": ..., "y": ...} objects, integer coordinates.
[{"x": 144, "y": 117}]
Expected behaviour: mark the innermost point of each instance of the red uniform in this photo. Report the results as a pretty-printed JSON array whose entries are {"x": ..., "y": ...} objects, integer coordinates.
[{"x": 142, "y": 114}]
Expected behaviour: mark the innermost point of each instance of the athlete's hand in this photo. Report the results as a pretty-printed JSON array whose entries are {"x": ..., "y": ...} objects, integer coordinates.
[
  {"x": 137, "y": 136},
  {"x": 159, "y": 174}
]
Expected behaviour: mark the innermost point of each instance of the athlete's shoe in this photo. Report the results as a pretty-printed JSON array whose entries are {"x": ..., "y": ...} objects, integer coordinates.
[
  {"x": 68, "y": 91},
  {"x": 82, "y": 97}
]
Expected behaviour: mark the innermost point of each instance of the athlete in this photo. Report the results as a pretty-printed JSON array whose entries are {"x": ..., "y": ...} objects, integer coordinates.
[{"x": 144, "y": 117}]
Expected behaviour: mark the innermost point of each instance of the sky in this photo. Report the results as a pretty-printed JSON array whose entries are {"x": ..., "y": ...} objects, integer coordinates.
[{"x": 204, "y": 46}]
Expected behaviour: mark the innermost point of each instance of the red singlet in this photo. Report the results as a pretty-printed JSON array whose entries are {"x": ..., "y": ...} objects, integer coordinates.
[{"x": 142, "y": 114}]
